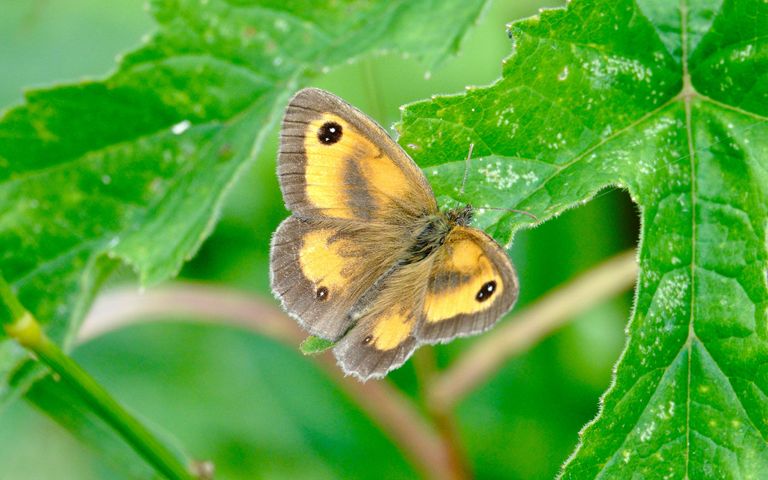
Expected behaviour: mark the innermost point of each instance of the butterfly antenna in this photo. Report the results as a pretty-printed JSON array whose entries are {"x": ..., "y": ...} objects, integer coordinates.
[{"x": 466, "y": 168}]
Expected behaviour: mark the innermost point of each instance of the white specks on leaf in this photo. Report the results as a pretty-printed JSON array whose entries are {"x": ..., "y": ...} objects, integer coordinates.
[
  {"x": 668, "y": 300},
  {"x": 647, "y": 432},
  {"x": 563, "y": 75},
  {"x": 659, "y": 126},
  {"x": 672, "y": 291},
  {"x": 646, "y": 167},
  {"x": 621, "y": 155},
  {"x": 650, "y": 276},
  {"x": 181, "y": 127},
  {"x": 666, "y": 411},
  {"x": 559, "y": 142},
  {"x": 605, "y": 71},
  {"x": 106, "y": 179},
  {"x": 743, "y": 54},
  {"x": 530, "y": 178},
  {"x": 504, "y": 117},
  {"x": 494, "y": 175}
]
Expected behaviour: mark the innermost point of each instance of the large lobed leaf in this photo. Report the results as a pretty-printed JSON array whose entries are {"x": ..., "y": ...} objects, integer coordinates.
[
  {"x": 668, "y": 100},
  {"x": 133, "y": 168}
]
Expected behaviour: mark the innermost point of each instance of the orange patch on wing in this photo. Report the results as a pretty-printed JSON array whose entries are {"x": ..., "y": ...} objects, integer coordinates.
[
  {"x": 468, "y": 259},
  {"x": 392, "y": 329},
  {"x": 387, "y": 179},
  {"x": 324, "y": 171},
  {"x": 326, "y": 166},
  {"x": 321, "y": 261}
]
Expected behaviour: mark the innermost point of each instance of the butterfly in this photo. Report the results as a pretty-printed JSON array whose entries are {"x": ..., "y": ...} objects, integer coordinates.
[{"x": 367, "y": 260}]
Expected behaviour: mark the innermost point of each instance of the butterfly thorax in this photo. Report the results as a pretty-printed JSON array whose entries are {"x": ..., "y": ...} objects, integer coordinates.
[{"x": 432, "y": 231}]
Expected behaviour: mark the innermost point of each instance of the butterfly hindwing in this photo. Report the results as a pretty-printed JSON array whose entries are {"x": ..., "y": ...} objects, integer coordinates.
[
  {"x": 382, "y": 337},
  {"x": 471, "y": 285},
  {"x": 335, "y": 162},
  {"x": 320, "y": 270}
]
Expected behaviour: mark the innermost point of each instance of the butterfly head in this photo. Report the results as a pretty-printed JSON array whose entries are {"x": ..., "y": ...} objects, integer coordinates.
[{"x": 460, "y": 216}]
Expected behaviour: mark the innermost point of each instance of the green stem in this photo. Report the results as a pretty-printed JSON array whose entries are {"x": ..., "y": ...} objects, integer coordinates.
[{"x": 22, "y": 326}]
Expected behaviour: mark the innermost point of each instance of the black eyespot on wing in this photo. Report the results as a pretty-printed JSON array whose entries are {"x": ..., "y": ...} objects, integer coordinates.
[
  {"x": 486, "y": 291},
  {"x": 329, "y": 133},
  {"x": 322, "y": 294}
]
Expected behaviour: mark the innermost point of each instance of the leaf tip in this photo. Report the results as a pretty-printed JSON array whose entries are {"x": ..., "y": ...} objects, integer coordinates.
[{"x": 313, "y": 345}]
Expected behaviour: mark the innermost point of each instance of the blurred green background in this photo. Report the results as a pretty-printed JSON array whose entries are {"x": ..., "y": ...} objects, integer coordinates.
[{"x": 258, "y": 409}]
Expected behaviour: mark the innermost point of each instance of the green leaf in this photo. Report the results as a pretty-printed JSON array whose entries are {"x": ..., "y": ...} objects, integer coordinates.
[
  {"x": 668, "y": 100},
  {"x": 57, "y": 400},
  {"x": 133, "y": 168},
  {"x": 313, "y": 345}
]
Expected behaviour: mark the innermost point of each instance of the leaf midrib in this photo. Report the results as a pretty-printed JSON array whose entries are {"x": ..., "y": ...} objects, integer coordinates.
[{"x": 687, "y": 95}]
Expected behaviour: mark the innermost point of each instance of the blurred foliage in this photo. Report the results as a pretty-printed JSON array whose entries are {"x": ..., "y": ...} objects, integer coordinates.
[
  {"x": 133, "y": 168},
  {"x": 259, "y": 409}
]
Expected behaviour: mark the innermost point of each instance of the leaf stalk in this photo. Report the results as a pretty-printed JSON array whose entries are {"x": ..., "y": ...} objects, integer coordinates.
[{"x": 22, "y": 326}]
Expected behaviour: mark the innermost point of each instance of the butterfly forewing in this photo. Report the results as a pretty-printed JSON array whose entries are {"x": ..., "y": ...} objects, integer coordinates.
[{"x": 335, "y": 162}]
